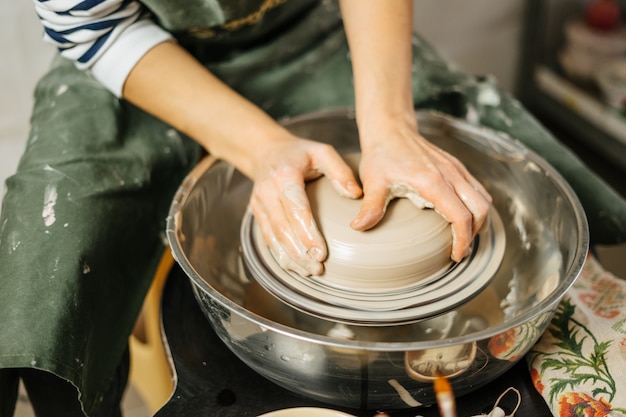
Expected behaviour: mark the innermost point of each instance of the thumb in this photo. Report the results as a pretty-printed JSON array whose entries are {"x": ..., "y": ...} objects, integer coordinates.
[{"x": 372, "y": 210}]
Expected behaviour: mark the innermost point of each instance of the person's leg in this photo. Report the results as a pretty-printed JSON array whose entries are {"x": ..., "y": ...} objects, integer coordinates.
[
  {"x": 82, "y": 230},
  {"x": 9, "y": 383},
  {"x": 51, "y": 396}
]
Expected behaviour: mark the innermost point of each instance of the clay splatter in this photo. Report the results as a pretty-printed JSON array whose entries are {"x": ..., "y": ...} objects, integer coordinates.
[{"x": 49, "y": 201}]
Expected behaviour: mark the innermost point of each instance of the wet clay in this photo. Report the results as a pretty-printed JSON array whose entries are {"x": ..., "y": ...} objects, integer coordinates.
[
  {"x": 396, "y": 273},
  {"x": 408, "y": 245}
]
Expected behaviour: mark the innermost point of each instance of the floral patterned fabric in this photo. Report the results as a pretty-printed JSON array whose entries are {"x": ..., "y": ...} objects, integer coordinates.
[{"x": 579, "y": 364}]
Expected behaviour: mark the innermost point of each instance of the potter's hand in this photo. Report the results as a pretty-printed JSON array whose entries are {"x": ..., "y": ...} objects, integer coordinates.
[
  {"x": 280, "y": 205},
  {"x": 405, "y": 164}
]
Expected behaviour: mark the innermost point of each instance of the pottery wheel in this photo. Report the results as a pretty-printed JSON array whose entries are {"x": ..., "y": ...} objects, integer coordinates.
[{"x": 398, "y": 272}]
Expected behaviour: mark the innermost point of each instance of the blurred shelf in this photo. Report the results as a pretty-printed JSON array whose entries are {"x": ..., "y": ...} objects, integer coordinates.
[
  {"x": 580, "y": 102},
  {"x": 579, "y": 115},
  {"x": 576, "y": 114}
]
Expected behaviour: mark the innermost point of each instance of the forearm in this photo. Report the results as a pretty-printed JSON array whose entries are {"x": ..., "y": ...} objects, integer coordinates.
[
  {"x": 379, "y": 34},
  {"x": 134, "y": 58},
  {"x": 171, "y": 85}
]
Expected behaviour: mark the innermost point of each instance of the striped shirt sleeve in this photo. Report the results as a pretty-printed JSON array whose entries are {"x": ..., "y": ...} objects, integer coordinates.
[{"x": 107, "y": 37}]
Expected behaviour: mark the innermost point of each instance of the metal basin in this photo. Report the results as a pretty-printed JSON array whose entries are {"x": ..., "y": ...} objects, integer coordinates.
[{"x": 388, "y": 367}]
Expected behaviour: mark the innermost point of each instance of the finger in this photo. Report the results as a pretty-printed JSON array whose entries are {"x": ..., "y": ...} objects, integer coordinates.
[
  {"x": 477, "y": 201},
  {"x": 463, "y": 201},
  {"x": 341, "y": 176},
  {"x": 468, "y": 178},
  {"x": 284, "y": 235},
  {"x": 460, "y": 219},
  {"x": 295, "y": 203},
  {"x": 450, "y": 206},
  {"x": 279, "y": 250},
  {"x": 375, "y": 200},
  {"x": 474, "y": 195},
  {"x": 455, "y": 211}
]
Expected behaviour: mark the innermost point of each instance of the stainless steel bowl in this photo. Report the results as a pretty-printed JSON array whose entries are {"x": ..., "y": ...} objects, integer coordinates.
[{"x": 388, "y": 367}]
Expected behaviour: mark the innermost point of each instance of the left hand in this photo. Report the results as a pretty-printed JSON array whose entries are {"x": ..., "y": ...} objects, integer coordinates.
[
  {"x": 280, "y": 204},
  {"x": 397, "y": 161}
]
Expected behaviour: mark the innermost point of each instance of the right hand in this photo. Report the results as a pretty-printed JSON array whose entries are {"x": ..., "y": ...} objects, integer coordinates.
[
  {"x": 280, "y": 205},
  {"x": 397, "y": 161}
]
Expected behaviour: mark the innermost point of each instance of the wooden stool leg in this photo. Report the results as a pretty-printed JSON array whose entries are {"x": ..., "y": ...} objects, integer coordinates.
[{"x": 150, "y": 371}]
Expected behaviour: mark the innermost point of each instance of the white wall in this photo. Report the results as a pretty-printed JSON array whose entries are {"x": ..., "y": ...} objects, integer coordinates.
[
  {"x": 481, "y": 36},
  {"x": 23, "y": 59}
]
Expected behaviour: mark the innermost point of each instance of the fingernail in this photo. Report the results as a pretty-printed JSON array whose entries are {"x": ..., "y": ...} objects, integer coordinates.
[
  {"x": 316, "y": 269},
  {"x": 365, "y": 221},
  {"x": 353, "y": 188},
  {"x": 357, "y": 224},
  {"x": 316, "y": 253},
  {"x": 465, "y": 254},
  {"x": 349, "y": 190}
]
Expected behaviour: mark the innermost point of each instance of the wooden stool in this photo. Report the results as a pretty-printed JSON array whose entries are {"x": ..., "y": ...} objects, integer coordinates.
[{"x": 150, "y": 371}]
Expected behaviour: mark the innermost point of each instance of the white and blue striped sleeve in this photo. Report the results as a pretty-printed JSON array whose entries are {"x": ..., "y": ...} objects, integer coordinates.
[{"x": 107, "y": 37}]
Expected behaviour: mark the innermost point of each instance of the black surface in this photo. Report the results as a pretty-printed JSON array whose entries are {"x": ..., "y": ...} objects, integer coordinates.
[{"x": 212, "y": 381}]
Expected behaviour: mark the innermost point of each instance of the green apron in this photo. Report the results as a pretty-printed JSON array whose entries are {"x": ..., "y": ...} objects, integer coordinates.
[{"x": 82, "y": 225}]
